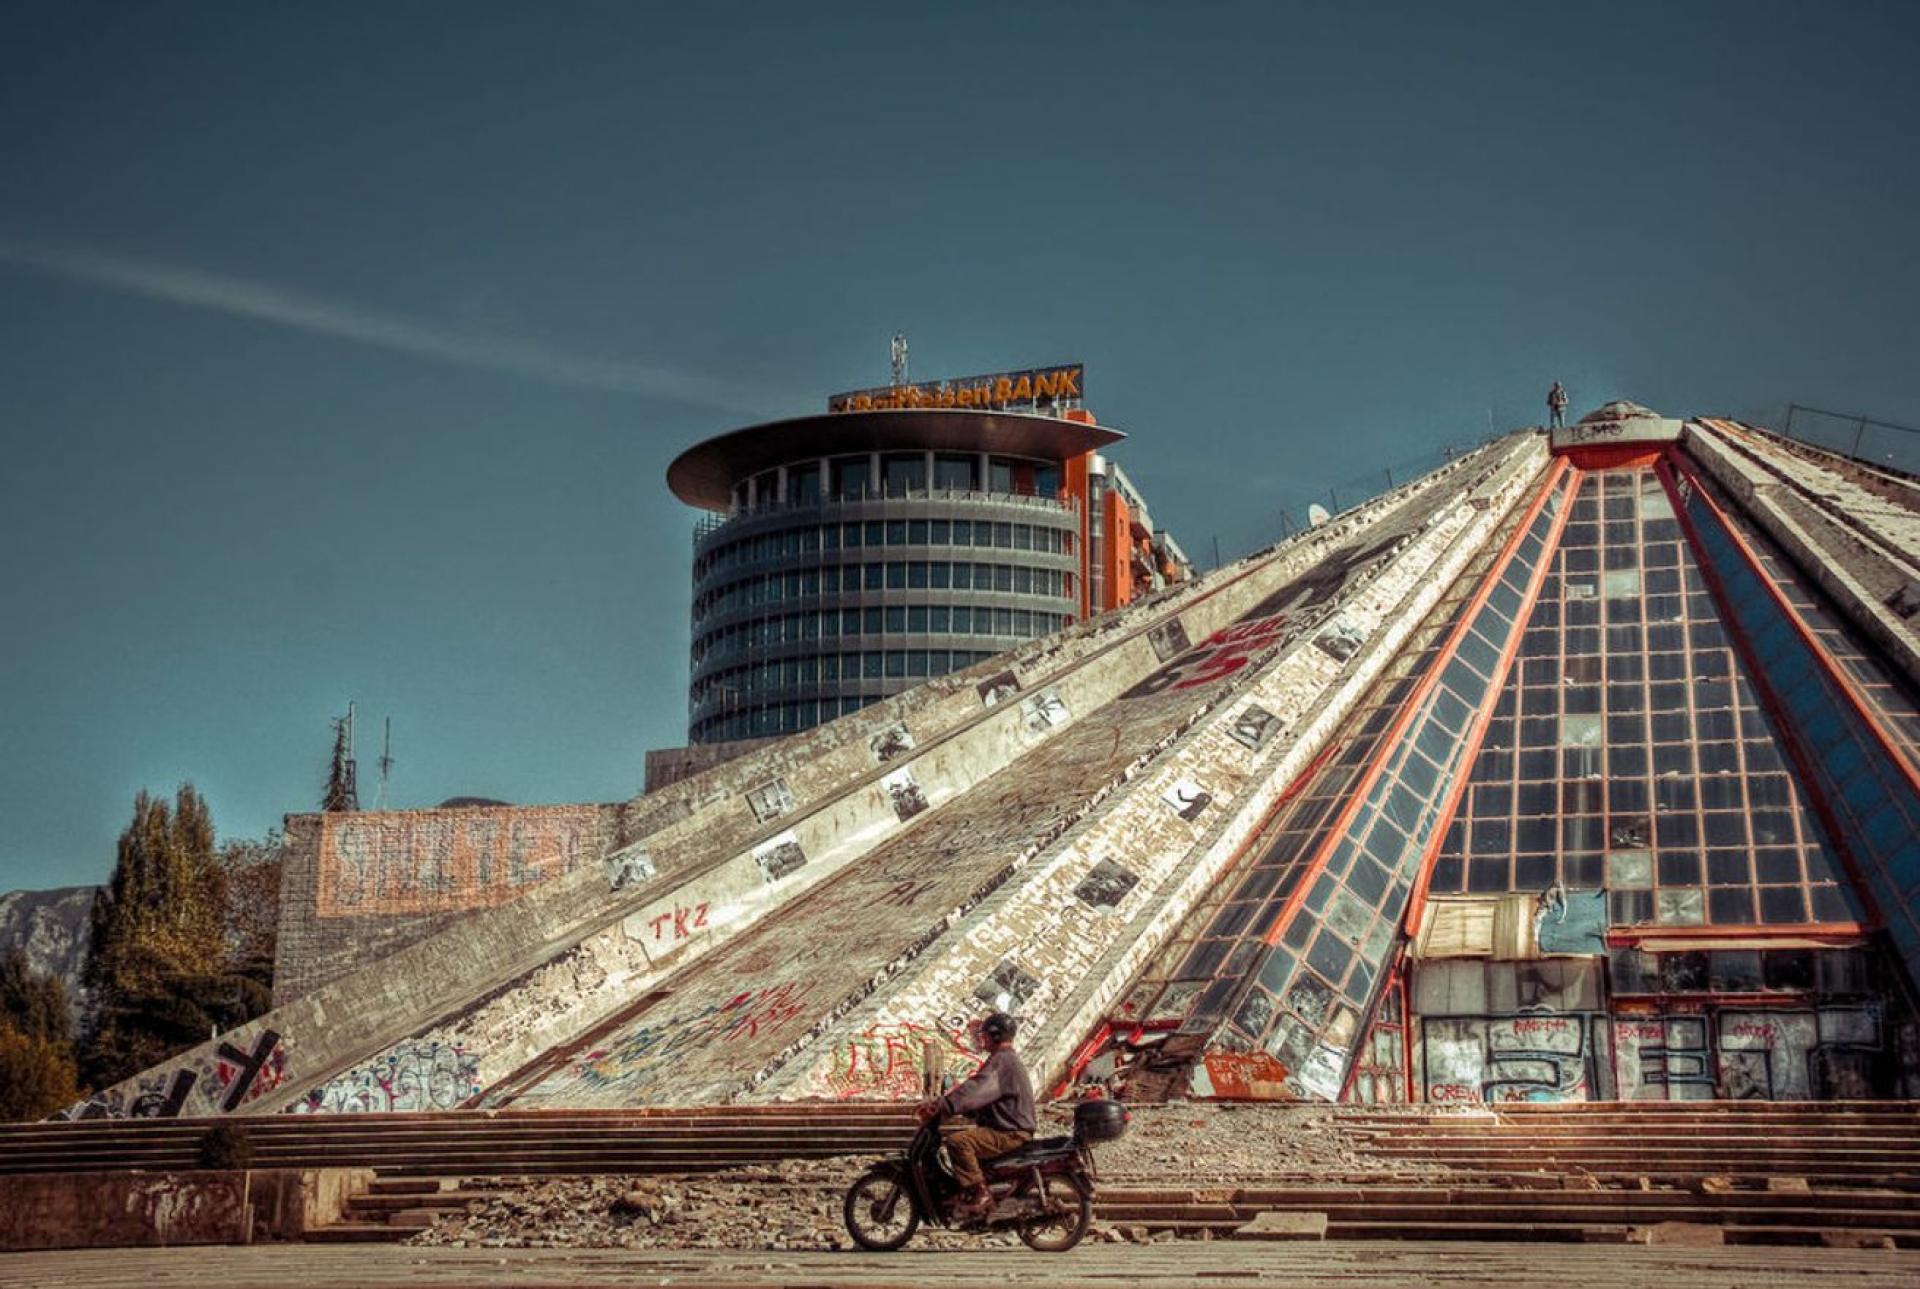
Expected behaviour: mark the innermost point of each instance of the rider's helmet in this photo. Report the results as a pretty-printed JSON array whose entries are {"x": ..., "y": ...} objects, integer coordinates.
[{"x": 999, "y": 1027}]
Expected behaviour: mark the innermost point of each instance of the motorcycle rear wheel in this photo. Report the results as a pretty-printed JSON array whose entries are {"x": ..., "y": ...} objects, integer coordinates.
[
  {"x": 1068, "y": 1210},
  {"x": 879, "y": 1213}
]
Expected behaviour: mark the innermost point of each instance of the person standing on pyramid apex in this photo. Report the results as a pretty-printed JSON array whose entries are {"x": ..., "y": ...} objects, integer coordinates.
[{"x": 1557, "y": 405}]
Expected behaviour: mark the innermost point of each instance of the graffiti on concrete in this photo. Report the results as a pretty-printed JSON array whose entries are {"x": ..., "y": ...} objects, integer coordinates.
[
  {"x": 779, "y": 857},
  {"x": 676, "y": 924},
  {"x": 904, "y": 794},
  {"x": 155, "y": 1096},
  {"x": 244, "y": 1076},
  {"x": 889, "y": 1060},
  {"x": 1299, "y": 607},
  {"x": 1539, "y": 1056},
  {"x": 416, "y": 1075},
  {"x": 1246, "y": 1076},
  {"x": 1798, "y": 1055},
  {"x": 1662, "y": 1058},
  {"x": 637, "y": 1057},
  {"x": 437, "y": 861}
]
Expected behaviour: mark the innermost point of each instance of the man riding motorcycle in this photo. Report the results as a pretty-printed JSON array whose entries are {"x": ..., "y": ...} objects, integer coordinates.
[{"x": 999, "y": 1100}]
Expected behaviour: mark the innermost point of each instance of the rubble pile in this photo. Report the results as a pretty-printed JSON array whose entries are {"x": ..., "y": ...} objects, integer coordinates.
[{"x": 795, "y": 1204}]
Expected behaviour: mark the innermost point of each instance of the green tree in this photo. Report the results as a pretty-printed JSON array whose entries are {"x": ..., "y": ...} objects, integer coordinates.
[
  {"x": 37, "y": 1071},
  {"x": 158, "y": 968},
  {"x": 252, "y": 917},
  {"x": 37, "y": 1075}
]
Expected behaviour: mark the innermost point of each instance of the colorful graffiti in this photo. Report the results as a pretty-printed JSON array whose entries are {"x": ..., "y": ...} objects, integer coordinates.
[
  {"x": 244, "y": 1076},
  {"x": 1541, "y": 1056},
  {"x": 1662, "y": 1058},
  {"x": 639, "y": 1056},
  {"x": 421, "y": 1075},
  {"x": 888, "y": 1060}
]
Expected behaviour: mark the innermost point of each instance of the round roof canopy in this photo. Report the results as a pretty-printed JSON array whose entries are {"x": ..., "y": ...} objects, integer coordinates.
[{"x": 705, "y": 473}]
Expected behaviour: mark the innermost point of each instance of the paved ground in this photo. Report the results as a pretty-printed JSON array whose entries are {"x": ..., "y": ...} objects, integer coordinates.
[{"x": 1095, "y": 1267}]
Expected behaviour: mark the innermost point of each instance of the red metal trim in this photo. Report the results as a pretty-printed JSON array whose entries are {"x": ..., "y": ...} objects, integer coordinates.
[
  {"x": 1556, "y": 470},
  {"x": 1796, "y": 749}
]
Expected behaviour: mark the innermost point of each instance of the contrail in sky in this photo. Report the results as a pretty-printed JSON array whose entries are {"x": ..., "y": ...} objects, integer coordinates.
[{"x": 178, "y": 284}]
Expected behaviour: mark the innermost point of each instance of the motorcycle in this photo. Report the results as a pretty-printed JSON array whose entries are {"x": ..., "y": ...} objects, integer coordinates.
[{"x": 1043, "y": 1191}]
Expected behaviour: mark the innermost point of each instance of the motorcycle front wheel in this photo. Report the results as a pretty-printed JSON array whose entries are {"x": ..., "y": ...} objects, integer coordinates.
[
  {"x": 879, "y": 1212},
  {"x": 1066, "y": 1209}
]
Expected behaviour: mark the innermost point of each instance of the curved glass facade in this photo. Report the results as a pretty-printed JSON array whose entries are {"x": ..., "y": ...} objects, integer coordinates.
[{"x": 834, "y": 598}]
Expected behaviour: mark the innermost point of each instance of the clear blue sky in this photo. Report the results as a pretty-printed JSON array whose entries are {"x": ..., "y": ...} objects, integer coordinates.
[{"x": 343, "y": 347}]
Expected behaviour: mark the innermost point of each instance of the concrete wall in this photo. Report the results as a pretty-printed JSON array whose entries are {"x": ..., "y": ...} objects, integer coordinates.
[
  {"x": 214, "y": 1206},
  {"x": 356, "y": 887}
]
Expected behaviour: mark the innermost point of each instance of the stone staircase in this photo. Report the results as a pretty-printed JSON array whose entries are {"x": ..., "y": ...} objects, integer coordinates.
[{"x": 1738, "y": 1172}]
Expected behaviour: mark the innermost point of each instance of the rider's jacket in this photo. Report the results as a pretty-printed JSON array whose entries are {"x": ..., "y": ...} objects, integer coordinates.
[{"x": 999, "y": 1095}]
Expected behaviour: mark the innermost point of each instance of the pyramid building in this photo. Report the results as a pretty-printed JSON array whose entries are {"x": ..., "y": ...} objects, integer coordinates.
[{"x": 1584, "y": 768}]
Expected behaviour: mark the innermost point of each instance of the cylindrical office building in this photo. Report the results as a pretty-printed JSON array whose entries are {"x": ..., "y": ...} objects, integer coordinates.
[{"x": 854, "y": 555}]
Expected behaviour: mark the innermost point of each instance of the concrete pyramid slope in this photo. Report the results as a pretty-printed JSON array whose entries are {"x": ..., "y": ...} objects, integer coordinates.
[
  {"x": 441, "y": 1021},
  {"x": 1584, "y": 767}
]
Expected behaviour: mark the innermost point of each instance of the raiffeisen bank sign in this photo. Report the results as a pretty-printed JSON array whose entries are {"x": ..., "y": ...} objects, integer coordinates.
[{"x": 1037, "y": 387}]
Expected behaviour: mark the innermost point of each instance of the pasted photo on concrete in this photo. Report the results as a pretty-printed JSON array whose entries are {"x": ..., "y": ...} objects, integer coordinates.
[
  {"x": 894, "y": 741},
  {"x": 1254, "y": 727},
  {"x": 1340, "y": 639},
  {"x": 997, "y": 688},
  {"x": 770, "y": 800},
  {"x": 904, "y": 793},
  {"x": 1045, "y": 710},
  {"x": 1006, "y": 987},
  {"x": 779, "y": 857},
  {"x": 1187, "y": 798},
  {"x": 1168, "y": 639},
  {"x": 1106, "y": 885},
  {"x": 629, "y": 867}
]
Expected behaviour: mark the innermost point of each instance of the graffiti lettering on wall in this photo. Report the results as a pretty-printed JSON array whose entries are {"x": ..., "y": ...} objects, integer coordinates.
[
  {"x": 157, "y": 1096},
  {"x": 246, "y": 1076},
  {"x": 678, "y": 924},
  {"x": 421, "y": 1075},
  {"x": 1492, "y": 1059},
  {"x": 1247, "y": 1076},
  {"x": 439, "y": 861},
  {"x": 889, "y": 1060},
  {"x": 640, "y": 1056},
  {"x": 1662, "y": 1058},
  {"x": 1797, "y": 1055}
]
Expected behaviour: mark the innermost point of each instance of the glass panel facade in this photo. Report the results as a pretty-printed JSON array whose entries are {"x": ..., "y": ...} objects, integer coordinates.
[{"x": 1628, "y": 750}]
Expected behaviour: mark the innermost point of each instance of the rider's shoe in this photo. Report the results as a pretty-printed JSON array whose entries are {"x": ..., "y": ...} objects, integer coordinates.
[{"x": 973, "y": 1204}]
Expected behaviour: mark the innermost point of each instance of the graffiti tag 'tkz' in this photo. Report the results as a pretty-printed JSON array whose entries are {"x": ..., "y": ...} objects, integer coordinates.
[{"x": 685, "y": 922}]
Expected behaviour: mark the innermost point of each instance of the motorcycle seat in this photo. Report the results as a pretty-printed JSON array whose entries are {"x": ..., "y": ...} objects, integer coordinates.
[{"x": 1034, "y": 1152}]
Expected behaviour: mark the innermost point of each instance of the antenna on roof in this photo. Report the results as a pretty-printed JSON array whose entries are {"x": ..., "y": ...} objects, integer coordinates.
[
  {"x": 386, "y": 767},
  {"x": 898, "y": 352}
]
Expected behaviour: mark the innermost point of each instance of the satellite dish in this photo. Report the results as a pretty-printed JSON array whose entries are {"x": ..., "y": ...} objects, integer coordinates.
[{"x": 1317, "y": 515}]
